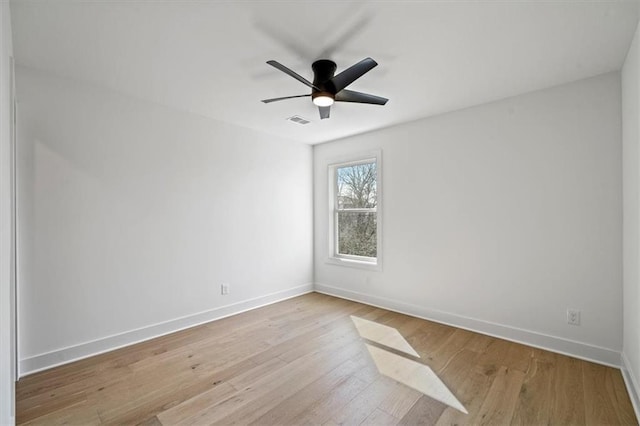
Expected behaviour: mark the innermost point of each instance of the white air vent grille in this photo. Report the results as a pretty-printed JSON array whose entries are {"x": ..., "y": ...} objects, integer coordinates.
[{"x": 299, "y": 120}]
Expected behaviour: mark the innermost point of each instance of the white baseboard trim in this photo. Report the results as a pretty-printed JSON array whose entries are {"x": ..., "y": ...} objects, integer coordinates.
[
  {"x": 572, "y": 348},
  {"x": 631, "y": 381},
  {"x": 84, "y": 350}
]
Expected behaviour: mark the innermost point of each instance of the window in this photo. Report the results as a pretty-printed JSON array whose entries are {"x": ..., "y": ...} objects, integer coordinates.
[{"x": 355, "y": 215}]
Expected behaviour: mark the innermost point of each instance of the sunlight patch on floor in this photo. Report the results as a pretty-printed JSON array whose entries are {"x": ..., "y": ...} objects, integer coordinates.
[
  {"x": 384, "y": 335},
  {"x": 406, "y": 371},
  {"x": 415, "y": 375}
]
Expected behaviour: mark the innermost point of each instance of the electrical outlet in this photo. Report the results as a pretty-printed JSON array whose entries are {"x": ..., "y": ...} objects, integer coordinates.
[
  {"x": 573, "y": 317},
  {"x": 224, "y": 288}
]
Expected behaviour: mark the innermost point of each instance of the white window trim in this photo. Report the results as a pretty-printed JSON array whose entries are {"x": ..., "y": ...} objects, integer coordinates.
[{"x": 333, "y": 258}]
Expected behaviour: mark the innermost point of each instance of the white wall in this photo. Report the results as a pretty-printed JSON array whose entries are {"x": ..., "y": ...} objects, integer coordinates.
[
  {"x": 7, "y": 361},
  {"x": 498, "y": 218},
  {"x": 631, "y": 214},
  {"x": 133, "y": 214}
]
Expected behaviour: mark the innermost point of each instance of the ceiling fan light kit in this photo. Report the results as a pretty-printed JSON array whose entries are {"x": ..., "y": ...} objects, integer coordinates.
[
  {"x": 323, "y": 99},
  {"x": 328, "y": 88}
]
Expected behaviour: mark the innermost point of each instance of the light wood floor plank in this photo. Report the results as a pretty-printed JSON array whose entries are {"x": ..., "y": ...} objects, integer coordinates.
[
  {"x": 500, "y": 402},
  {"x": 331, "y": 367},
  {"x": 534, "y": 405},
  {"x": 332, "y": 401},
  {"x": 360, "y": 407},
  {"x": 438, "y": 358},
  {"x": 183, "y": 411},
  {"x": 472, "y": 394},
  {"x": 599, "y": 395},
  {"x": 80, "y": 414},
  {"x": 466, "y": 384},
  {"x": 425, "y": 411},
  {"x": 568, "y": 407},
  {"x": 399, "y": 402},
  {"x": 622, "y": 402},
  {"x": 294, "y": 405},
  {"x": 379, "y": 418},
  {"x": 278, "y": 385}
]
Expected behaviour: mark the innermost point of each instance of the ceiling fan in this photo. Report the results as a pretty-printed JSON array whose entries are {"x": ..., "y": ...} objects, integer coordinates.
[{"x": 327, "y": 87}]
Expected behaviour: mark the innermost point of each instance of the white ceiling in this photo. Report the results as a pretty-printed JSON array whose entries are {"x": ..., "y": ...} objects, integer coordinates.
[{"x": 208, "y": 57}]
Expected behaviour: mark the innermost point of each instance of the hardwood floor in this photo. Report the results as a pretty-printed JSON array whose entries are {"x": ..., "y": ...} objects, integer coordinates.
[{"x": 302, "y": 361}]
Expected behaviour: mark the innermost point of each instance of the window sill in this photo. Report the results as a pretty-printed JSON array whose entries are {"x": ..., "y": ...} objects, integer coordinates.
[{"x": 351, "y": 263}]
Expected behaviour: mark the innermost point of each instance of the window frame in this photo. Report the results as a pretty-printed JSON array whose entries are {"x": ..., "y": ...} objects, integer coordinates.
[{"x": 334, "y": 257}]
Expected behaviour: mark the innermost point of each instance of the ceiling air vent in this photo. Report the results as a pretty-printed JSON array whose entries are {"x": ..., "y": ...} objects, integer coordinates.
[{"x": 298, "y": 119}]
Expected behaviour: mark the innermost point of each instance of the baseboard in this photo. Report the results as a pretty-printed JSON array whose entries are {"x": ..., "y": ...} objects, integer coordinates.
[
  {"x": 572, "y": 348},
  {"x": 633, "y": 387},
  {"x": 84, "y": 350}
]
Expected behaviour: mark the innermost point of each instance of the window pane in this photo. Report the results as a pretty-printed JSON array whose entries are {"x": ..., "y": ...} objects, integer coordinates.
[
  {"x": 357, "y": 233},
  {"x": 356, "y": 186}
]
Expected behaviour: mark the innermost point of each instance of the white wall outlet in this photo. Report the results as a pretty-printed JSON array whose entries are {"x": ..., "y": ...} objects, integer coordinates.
[
  {"x": 224, "y": 288},
  {"x": 573, "y": 317}
]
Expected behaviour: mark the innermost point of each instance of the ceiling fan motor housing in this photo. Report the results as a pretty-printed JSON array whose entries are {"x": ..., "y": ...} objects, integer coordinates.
[{"x": 323, "y": 72}]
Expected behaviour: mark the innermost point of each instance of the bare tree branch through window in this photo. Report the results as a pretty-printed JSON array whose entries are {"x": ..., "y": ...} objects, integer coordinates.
[{"x": 356, "y": 214}]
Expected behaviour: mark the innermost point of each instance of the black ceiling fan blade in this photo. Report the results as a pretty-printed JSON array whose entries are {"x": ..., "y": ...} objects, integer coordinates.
[
  {"x": 363, "y": 98},
  {"x": 266, "y": 101},
  {"x": 292, "y": 73},
  {"x": 352, "y": 73},
  {"x": 324, "y": 112}
]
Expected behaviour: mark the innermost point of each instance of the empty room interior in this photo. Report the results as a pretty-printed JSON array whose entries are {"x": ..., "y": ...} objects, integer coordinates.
[{"x": 320, "y": 212}]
